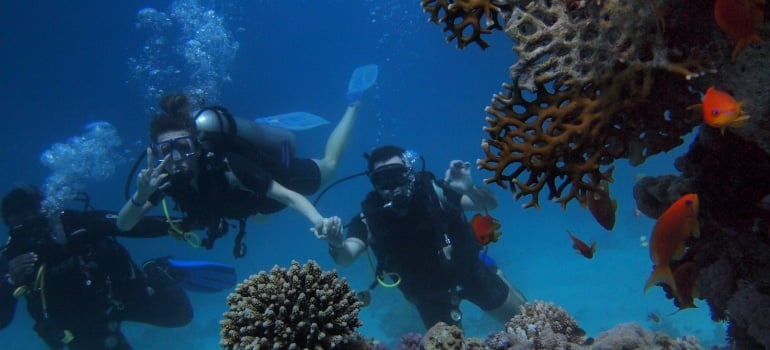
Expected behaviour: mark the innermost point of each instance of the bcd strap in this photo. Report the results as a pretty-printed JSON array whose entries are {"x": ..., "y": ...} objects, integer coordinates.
[{"x": 239, "y": 248}]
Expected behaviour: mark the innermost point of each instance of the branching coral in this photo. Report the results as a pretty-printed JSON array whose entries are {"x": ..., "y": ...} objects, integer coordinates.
[
  {"x": 299, "y": 308},
  {"x": 458, "y": 15},
  {"x": 564, "y": 134}
]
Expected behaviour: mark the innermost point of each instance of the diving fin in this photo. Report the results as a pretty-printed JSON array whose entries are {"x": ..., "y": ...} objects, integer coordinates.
[
  {"x": 295, "y": 121},
  {"x": 202, "y": 276},
  {"x": 363, "y": 78}
]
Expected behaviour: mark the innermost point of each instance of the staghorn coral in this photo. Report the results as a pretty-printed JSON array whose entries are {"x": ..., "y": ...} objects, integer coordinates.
[
  {"x": 458, "y": 15},
  {"x": 301, "y": 307},
  {"x": 546, "y": 325}
]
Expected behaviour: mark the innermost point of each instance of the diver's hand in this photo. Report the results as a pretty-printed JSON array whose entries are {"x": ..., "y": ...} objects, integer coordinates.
[
  {"x": 328, "y": 228},
  {"x": 21, "y": 266},
  {"x": 458, "y": 176},
  {"x": 152, "y": 178}
]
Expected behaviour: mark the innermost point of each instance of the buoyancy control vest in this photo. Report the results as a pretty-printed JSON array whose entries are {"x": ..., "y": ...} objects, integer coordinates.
[{"x": 431, "y": 242}]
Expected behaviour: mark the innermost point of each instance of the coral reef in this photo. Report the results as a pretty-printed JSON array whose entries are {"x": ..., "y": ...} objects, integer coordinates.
[
  {"x": 301, "y": 307},
  {"x": 545, "y": 326},
  {"x": 589, "y": 87}
]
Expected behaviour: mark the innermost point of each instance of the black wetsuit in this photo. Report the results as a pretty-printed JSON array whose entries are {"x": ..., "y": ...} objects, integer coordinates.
[
  {"x": 236, "y": 188},
  {"x": 412, "y": 246},
  {"x": 89, "y": 285}
]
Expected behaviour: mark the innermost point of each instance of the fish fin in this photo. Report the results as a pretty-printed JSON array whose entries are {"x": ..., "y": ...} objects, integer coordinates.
[
  {"x": 738, "y": 122},
  {"x": 694, "y": 107},
  {"x": 661, "y": 274}
]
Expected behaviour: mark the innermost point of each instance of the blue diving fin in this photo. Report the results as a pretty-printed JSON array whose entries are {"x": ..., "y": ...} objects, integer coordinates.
[
  {"x": 293, "y": 121},
  {"x": 363, "y": 78},
  {"x": 202, "y": 276}
]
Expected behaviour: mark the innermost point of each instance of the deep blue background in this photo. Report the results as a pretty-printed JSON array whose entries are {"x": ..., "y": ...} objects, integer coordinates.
[{"x": 65, "y": 65}]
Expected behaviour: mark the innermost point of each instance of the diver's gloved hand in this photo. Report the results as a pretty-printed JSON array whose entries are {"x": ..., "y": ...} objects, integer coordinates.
[
  {"x": 458, "y": 176},
  {"x": 328, "y": 227},
  {"x": 22, "y": 266}
]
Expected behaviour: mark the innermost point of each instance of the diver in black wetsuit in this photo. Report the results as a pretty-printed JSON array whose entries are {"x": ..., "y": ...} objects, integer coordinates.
[
  {"x": 416, "y": 228},
  {"x": 79, "y": 283}
]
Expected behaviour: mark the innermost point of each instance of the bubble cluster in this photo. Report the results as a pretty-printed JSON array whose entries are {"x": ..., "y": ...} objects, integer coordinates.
[
  {"x": 91, "y": 156},
  {"x": 189, "y": 50}
]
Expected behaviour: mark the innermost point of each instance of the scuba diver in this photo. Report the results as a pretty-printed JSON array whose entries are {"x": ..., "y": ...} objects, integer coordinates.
[
  {"x": 79, "y": 283},
  {"x": 217, "y": 167},
  {"x": 417, "y": 229}
]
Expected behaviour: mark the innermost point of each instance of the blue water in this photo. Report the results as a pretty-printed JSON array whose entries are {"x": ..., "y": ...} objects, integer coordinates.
[{"x": 66, "y": 66}]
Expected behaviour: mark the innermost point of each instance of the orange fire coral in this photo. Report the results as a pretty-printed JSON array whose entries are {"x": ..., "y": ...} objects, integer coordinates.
[
  {"x": 469, "y": 13},
  {"x": 566, "y": 137}
]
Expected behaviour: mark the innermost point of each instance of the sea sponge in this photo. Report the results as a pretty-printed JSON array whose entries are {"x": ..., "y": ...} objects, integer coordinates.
[{"x": 301, "y": 307}]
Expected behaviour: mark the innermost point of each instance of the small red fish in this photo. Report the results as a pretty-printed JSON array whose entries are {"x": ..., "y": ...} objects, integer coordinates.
[
  {"x": 485, "y": 228},
  {"x": 720, "y": 110},
  {"x": 740, "y": 19},
  {"x": 582, "y": 247}
]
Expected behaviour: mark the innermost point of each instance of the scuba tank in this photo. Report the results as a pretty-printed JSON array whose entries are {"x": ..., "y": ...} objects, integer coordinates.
[{"x": 220, "y": 132}]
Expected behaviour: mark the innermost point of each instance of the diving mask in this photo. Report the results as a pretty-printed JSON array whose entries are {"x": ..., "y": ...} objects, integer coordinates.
[
  {"x": 179, "y": 148},
  {"x": 390, "y": 176}
]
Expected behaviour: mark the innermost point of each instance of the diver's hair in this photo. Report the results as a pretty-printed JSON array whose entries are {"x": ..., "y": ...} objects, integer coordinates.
[
  {"x": 381, "y": 154},
  {"x": 175, "y": 116},
  {"x": 20, "y": 203}
]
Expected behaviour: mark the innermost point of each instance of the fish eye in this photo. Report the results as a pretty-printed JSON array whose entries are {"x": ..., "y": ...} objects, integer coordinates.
[
  {"x": 715, "y": 112},
  {"x": 688, "y": 202}
]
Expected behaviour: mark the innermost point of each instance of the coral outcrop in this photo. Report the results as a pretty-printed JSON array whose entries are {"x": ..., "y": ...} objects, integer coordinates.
[
  {"x": 590, "y": 86},
  {"x": 733, "y": 252},
  {"x": 546, "y": 326},
  {"x": 301, "y": 307}
]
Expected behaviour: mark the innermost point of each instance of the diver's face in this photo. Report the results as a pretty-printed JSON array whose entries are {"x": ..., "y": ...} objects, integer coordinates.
[
  {"x": 390, "y": 175},
  {"x": 180, "y": 147}
]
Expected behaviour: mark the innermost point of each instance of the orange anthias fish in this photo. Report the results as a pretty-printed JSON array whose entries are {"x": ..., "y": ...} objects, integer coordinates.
[
  {"x": 603, "y": 207},
  {"x": 485, "y": 228},
  {"x": 720, "y": 110},
  {"x": 669, "y": 235},
  {"x": 740, "y": 19},
  {"x": 582, "y": 247}
]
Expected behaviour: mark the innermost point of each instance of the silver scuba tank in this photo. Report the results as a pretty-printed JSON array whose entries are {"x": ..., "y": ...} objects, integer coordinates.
[{"x": 219, "y": 131}]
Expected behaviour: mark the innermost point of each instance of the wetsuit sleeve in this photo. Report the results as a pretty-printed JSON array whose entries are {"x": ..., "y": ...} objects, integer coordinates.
[
  {"x": 7, "y": 300},
  {"x": 451, "y": 195},
  {"x": 357, "y": 229}
]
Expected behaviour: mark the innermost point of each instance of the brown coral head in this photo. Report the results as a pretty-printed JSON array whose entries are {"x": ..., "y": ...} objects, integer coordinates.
[{"x": 299, "y": 307}]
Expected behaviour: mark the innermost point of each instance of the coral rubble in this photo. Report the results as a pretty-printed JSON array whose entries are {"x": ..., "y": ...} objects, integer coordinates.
[{"x": 301, "y": 307}]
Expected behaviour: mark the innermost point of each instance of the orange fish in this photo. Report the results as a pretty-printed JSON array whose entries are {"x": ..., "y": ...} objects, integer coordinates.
[
  {"x": 582, "y": 247},
  {"x": 672, "y": 229},
  {"x": 603, "y": 207},
  {"x": 686, "y": 277},
  {"x": 485, "y": 228},
  {"x": 720, "y": 110},
  {"x": 740, "y": 19}
]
